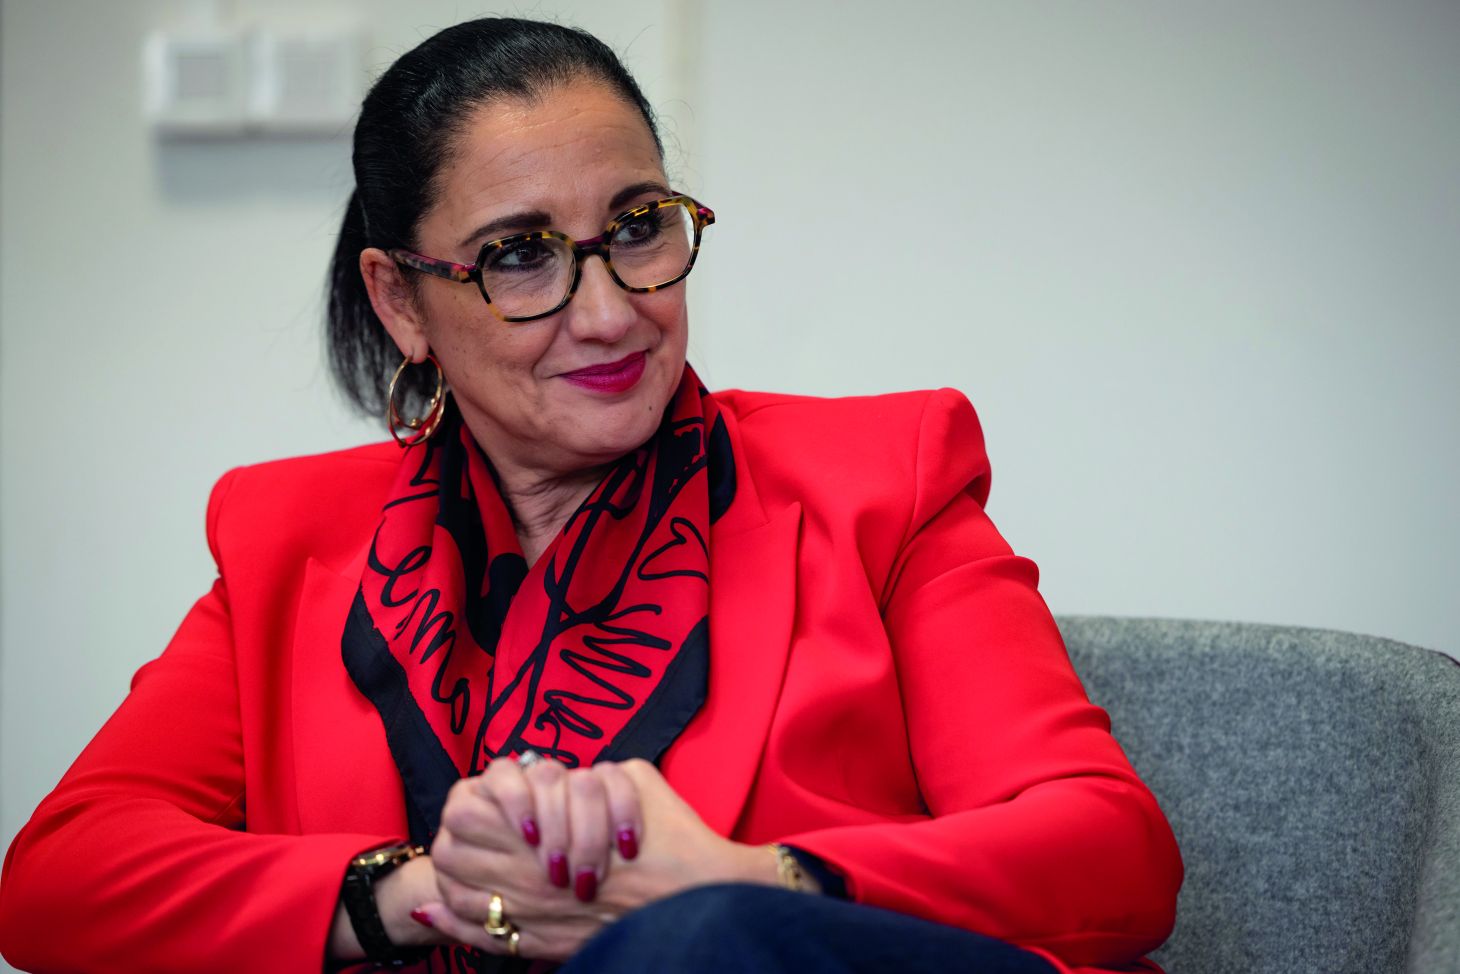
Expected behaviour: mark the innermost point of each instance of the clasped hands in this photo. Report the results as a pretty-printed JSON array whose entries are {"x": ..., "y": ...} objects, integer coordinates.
[{"x": 568, "y": 852}]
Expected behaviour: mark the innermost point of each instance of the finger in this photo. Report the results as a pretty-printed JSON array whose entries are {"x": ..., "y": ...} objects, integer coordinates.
[
  {"x": 551, "y": 941},
  {"x": 642, "y": 773},
  {"x": 588, "y": 819},
  {"x": 653, "y": 789},
  {"x": 464, "y": 861},
  {"x": 505, "y": 783},
  {"x": 475, "y": 818},
  {"x": 549, "y": 796},
  {"x": 442, "y": 918},
  {"x": 625, "y": 817}
]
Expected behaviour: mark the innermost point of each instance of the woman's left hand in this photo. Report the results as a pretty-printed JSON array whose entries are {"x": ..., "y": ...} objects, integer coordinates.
[{"x": 677, "y": 849}]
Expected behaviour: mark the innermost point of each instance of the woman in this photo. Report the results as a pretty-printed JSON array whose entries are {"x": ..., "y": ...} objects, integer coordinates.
[{"x": 601, "y": 667}]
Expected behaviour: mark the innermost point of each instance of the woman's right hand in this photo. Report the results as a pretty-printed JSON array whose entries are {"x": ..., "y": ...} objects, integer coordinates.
[{"x": 543, "y": 839}]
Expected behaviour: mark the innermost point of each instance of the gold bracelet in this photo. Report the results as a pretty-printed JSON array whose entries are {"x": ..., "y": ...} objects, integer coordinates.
[{"x": 790, "y": 873}]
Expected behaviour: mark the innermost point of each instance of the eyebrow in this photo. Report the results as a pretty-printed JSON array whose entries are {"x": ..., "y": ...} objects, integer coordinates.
[{"x": 539, "y": 219}]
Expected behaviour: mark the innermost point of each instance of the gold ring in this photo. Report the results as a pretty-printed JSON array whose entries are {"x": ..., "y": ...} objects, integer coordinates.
[
  {"x": 497, "y": 925},
  {"x": 512, "y": 942}
]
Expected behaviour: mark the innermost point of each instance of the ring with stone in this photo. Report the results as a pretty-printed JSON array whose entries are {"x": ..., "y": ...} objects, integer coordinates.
[{"x": 528, "y": 758}]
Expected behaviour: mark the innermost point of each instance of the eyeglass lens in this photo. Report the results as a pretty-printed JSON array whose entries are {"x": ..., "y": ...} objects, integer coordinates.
[{"x": 531, "y": 277}]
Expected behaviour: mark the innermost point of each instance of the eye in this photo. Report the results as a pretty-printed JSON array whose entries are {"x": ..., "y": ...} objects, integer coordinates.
[
  {"x": 525, "y": 255},
  {"x": 639, "y": 229}
]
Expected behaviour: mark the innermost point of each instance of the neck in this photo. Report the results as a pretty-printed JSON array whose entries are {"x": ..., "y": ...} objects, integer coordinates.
[
  {"x": 541, "y": 488},
  {"x": 542, "y": 504}
]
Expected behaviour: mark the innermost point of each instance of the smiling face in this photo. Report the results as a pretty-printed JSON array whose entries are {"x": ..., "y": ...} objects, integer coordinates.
[{"x": 571, "y": 161}]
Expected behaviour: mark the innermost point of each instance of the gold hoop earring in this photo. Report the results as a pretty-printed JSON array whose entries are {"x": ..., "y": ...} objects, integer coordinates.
[{"x": 422, "y": 427}]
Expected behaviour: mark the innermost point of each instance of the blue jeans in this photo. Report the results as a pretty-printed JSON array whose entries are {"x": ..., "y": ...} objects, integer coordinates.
[{"x": 745, "y": 929}]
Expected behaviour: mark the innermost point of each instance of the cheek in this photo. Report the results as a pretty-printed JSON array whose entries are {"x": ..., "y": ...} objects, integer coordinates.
[
  {"x": 666, "y": 311},
  {"x": 451, "y": 321},
  {"x": 480, "y": 354},
  {"x": 459, "y": 318},
  {"x": 671, "y": 322}
]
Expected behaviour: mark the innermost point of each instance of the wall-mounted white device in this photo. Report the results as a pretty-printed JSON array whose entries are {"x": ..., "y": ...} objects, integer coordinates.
[{"x": 216, "y": 83}]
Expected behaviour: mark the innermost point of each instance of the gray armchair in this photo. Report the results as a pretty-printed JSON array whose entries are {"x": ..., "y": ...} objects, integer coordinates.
[{"x": 1312, "y": 779}]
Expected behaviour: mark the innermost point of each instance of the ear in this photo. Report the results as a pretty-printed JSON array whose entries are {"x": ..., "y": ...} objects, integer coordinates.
[{"x": 391, "y": 297}]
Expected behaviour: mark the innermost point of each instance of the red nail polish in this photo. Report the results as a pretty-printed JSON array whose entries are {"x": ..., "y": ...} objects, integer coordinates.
[
  {"x": 558, "y": 870},
  {"x": 585, "y": 886},
  {"x": 530, "y": 832},
  {"x": 628, "y": 842},
  {"x": 422, "y": 917}
]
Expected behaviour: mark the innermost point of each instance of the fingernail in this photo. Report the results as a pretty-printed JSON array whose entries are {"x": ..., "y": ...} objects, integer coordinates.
[
  {"x": 628, "y": 842},
  {"x": 422, "y": 917},
  {"x": 585, "y": 886},
  {"x": 530, "y": 832},
  {"x": 558, "y": 870}
]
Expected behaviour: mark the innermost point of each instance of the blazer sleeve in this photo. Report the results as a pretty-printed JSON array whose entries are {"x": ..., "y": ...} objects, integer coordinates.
[
  {"x": 138, "y": 860},
  {"x": 1039, "y": 831}
]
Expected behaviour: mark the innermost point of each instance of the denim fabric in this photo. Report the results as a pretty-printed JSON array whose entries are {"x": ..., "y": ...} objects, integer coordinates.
[{"x": 742, "y": 929}]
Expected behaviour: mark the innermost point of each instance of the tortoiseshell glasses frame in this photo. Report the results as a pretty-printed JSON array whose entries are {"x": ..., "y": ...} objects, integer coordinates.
[{"x": 598, "y": 246}]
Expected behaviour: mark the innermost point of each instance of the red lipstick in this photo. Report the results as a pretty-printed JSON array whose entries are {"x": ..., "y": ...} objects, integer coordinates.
[{"x": 612, "y": 378}]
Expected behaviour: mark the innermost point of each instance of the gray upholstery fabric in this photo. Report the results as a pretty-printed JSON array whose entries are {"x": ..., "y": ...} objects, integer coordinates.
[{"x": 1313, "y": 782}]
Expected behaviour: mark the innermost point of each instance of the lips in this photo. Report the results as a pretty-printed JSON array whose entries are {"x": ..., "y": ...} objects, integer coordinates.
[
  {"x": 611, "y": 377},
  {"x": 610, "y": 368}
]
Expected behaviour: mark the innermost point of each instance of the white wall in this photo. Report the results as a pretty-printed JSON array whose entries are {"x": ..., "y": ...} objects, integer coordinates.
[{"x": 1195, "y": 264}]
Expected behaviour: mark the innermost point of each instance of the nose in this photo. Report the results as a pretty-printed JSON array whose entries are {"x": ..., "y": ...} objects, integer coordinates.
[{"x": 600, "y": 310}]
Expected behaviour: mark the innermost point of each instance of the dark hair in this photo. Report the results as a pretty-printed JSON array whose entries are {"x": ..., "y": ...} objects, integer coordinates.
[{"x": 407, "y": 130}]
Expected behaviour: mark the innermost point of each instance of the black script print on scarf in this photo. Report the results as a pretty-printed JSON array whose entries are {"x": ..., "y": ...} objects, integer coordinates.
[{"x": 599, "y": 651}]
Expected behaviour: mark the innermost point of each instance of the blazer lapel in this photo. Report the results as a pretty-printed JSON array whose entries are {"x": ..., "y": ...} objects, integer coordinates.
[
  {"x": 752, "y": 612},
  {"x": 344, "y": 775}
]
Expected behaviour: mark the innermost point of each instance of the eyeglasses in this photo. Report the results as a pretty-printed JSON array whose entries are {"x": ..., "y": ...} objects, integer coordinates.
[{"x": 531, "y": 275}]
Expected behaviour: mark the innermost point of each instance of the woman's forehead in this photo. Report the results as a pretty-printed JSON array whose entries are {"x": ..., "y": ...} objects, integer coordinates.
[{"x": 567, "y": 153}]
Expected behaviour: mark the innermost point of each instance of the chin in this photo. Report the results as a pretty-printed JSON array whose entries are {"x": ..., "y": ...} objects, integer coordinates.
[
  {"x": 621, "y": 427},
  {"x": 628, "y": 433},
  {"x": 609, "y": 427}
]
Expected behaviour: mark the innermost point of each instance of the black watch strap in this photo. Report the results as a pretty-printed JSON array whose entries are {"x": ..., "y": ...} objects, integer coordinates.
[{"x": 358, "y": 895}]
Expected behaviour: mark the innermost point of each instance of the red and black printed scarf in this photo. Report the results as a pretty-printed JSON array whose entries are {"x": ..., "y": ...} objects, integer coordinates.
[{"x": 599, "y": 651}]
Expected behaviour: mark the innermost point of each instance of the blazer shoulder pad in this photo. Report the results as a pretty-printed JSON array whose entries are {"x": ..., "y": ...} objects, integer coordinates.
[
  {"x": 928, "y": 439},
  {"x": 300, "y": 505}
]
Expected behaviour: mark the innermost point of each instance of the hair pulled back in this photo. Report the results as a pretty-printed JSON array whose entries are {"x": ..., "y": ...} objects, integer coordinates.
[{"x": 409, "y": 123}]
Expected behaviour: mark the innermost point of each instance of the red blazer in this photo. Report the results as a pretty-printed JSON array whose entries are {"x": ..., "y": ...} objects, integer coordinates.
[{"x": 887, "y": 690}]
